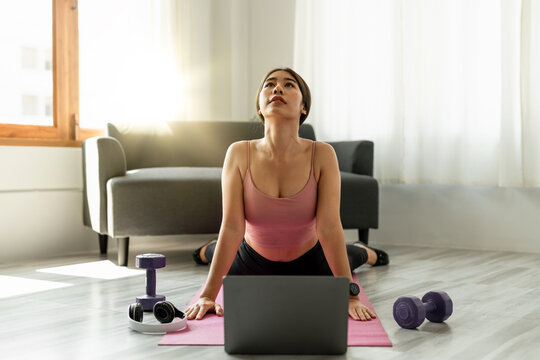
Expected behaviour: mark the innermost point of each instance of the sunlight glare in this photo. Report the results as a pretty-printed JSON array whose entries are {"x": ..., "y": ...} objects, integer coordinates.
[
  {"x": 98, "y": 270},
  {"x": 14, "y": 286}
]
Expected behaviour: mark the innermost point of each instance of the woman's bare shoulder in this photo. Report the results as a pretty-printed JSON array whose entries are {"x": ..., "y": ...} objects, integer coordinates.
[
  {"x": 324, "y": 153},
  {"x": 238, "y": 146},
  {"x": 325, "y": 159},
  {"x": 237, "y": 155}
]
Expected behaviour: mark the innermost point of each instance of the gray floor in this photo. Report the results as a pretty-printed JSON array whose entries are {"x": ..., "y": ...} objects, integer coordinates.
[{"x": 496, "y": 306}]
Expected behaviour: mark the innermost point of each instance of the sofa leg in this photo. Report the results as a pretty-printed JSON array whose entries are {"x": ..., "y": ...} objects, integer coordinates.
[
  {"x": 363, "y": 235},
  {"x": 123, "y": 250},
  {"x": 103, "y": 240}
]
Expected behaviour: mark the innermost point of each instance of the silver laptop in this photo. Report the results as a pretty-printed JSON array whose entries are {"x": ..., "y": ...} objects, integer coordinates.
[{"x": 285, "y": 314}]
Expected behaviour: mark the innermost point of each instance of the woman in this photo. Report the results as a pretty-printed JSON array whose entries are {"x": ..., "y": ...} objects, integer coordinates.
[{"x": 275, "y": 222}]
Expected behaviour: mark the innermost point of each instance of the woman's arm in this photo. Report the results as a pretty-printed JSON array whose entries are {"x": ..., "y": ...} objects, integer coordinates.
[
  {"x": 329, "y": 228},
  {"x": 226, "y": 249},
  {"x": 231, "y": 231}
]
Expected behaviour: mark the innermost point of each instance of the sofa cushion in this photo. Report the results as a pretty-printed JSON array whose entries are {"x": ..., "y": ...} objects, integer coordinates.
[{"x": 165, "y": 201}]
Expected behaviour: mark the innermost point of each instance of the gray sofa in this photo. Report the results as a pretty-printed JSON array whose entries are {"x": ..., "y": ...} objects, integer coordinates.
[{"x": 166, "y": 180}]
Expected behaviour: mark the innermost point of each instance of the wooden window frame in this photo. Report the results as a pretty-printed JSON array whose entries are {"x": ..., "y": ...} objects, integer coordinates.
[{"x": 65, "y": 130}]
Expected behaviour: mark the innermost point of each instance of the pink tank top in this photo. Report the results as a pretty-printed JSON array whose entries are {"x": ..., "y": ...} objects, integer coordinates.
[{"x": 280, "y": 222}]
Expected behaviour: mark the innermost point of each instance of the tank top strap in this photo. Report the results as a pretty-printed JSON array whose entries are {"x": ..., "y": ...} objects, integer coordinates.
[
  {"x": 312, "y": 156},
  {"x": 248, "y": 156}
]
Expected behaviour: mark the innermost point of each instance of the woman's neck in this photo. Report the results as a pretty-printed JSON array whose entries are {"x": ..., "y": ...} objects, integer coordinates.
[{"x": 281, "y": 139}]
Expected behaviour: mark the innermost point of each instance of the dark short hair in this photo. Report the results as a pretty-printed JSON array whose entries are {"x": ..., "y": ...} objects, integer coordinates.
[{"x": 304, "y": 89}]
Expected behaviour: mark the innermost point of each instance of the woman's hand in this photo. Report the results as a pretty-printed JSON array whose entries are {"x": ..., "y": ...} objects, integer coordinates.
[
  {"x": 359, "y": 311},
  {"x": 201, "y": 307}
]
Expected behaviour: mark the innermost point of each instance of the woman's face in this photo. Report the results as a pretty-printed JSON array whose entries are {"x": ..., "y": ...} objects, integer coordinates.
[{"x": 281, "y": 96}]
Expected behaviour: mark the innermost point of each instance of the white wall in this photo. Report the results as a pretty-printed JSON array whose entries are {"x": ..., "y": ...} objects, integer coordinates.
[
  {"x": 467, "y": 217},
  {"x": 41, "y": 203},
  {"x": 41, "y": 187}
]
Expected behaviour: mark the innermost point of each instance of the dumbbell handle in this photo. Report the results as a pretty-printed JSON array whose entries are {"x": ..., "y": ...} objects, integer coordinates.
[
  {"x": 151, "y": 282},
  {"x": 430, "y": 306}
]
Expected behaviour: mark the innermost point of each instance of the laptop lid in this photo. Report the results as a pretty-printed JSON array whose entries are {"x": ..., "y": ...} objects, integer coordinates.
[{"x": 285, "y": 314}]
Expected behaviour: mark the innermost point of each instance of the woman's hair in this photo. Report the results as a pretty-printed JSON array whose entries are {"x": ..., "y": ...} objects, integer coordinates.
[{"x": 304, "y": 89}]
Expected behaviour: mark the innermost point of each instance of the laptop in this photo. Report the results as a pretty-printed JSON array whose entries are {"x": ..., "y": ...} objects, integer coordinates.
[{"x": 285, "y": 314}]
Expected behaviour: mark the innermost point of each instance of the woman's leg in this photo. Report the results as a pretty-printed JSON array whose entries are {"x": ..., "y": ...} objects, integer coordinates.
[
  {"x": 375, "y": 257},
  {"x": 207, "y": 253},
  {"x": 314, "y": 262},
  {"x": 357, "y": 256},
  {"x": 249, "y": 262}
]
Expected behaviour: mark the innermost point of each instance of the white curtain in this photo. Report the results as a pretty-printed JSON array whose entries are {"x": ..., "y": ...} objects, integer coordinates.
[{"x": 448, "y": 90}]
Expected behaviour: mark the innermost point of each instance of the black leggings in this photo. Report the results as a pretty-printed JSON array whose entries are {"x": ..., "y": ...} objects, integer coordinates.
[{"x": 313, "y": 262}]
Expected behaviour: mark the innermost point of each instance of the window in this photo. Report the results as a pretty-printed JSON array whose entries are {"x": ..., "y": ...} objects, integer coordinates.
[
  {"x": 39, "y": 95},
  {"x": 28, "y": 58},
  {"x": 29, "y": 105}
]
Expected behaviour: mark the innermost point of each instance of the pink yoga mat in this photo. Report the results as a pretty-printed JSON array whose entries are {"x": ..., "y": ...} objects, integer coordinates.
[{"x": 209, "y": 330}]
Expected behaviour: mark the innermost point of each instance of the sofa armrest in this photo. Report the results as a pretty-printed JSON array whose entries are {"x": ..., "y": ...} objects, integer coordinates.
[
  {"x": 103, "y": 158},
  {"x": 355, "y": 156}
]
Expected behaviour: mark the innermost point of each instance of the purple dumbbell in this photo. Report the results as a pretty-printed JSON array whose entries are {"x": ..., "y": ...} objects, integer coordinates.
[
  {"x": 410, "y": 312},
  {"x": 150, "y": 262}
]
